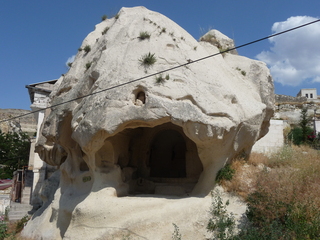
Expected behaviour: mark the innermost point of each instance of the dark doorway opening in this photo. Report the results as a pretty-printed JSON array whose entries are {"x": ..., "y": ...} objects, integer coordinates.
[{"x": 168, "y": 155}]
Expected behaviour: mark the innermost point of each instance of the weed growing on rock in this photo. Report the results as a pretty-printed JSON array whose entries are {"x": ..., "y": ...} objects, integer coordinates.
[
  {"x": 144, "y": 35},
  {"x": 148, "y": 60},
  {"x": 176, "y": 235},
  {"x": 105, "y": 30},
  {"x": 241, "y": 71},
  {"x": 160, "y": 79},
  {"x": 88, "y": 65},
  {"x": 21, "y": 223},
  {"x": 104, "y": 17},
  {"x": 87, "y": 48},
  {"x": 225, "y": 173},
  {"x": 221, "y": 223}
]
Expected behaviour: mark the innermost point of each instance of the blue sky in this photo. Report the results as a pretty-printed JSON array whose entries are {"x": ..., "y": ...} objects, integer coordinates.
[{"x": 37, "y": 37}]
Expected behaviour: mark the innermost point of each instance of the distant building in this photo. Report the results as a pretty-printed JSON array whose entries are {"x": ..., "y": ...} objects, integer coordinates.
[
  {"x": 39, "y": 97},
  {"x": 309, "y": 93}
]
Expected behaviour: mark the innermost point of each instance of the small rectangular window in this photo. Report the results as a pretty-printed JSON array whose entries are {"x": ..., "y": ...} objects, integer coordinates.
[
  {"x": 307, "y": 95},
  {"x": 311, "y": 95}
]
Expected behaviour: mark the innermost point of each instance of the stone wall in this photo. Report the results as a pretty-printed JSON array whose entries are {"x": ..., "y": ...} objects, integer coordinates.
[
  {"x": 289, "y": 99},
  {"x": 273, "y": 141}
]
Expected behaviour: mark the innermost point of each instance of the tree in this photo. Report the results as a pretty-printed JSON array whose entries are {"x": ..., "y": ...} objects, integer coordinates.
[
  {"x": 14, "y": 152},
  {"x": 300, "y": 135}
]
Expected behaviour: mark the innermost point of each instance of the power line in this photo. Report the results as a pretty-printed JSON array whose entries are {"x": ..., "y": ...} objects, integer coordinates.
[{"x": 166, "y": 70}]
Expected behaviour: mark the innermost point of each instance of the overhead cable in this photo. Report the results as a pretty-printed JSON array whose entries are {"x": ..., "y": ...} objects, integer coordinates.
[{"x": 163, "y": 71}]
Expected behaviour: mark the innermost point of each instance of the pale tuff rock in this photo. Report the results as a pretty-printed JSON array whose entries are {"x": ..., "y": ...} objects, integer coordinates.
[{"x": 141, "y": 156}]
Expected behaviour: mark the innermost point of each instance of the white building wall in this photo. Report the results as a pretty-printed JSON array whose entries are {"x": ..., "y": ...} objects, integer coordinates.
[
  {"x": 274, "y": 139},
  {"x": 317, "y": 126}
]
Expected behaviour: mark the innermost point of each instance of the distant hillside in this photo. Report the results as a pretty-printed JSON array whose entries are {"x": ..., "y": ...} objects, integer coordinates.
[{"x": 26, "y": 124}]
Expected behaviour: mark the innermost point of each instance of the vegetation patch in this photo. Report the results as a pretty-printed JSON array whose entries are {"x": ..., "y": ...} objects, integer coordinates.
[
  {"x": 104, "y": 17},
  {"x": 225, "y": 173},
  {"x": 14, "y": 152},
  {"x": 148, "y": 60},
  {"x": 144, "y": 35},
  {"x": 282, "y": 192},
  {"x": 88, "y": 65},
  {"x": 105, "y": 30},
  {"x": 87, "y": 48}
]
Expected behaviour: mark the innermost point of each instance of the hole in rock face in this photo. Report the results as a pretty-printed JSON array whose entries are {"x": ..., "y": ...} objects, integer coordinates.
[
  {"x": 159, "y": 160},
  {"x": 83, "y": 166},
  {"x": 141, "y": 96}
]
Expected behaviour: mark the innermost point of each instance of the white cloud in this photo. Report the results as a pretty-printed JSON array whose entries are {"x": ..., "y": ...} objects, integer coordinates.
[
  {"x": 70, "y": 60},
  {"x": 294, "y": 57}
]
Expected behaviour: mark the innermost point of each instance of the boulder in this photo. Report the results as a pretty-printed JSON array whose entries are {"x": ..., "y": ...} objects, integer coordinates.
[{"x": 139, "y": 129}]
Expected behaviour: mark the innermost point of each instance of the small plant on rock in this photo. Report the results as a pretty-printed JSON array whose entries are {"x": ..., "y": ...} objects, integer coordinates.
[
  {"x": 147, "y": 60},
  {"x": 159, "y": 79},
  {"x": 221, "y": 223},
  {"x": 88, "y": 65},
  {"x": 176, "y": 235},
  {"x": 225, "y": 173},
  {"x": 87, "y": 48},
  {"x": 104, "y": 17},
  {"x": 144, "y": 35},
  {"x": 105, "y": 30}
]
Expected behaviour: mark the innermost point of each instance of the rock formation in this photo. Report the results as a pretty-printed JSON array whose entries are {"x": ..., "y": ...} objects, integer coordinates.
[
  {"x": 27, "y": 124},
  {"x": 138, "y": 154}
]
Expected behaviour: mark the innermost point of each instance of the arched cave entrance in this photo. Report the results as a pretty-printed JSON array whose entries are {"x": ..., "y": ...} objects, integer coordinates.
[
  {"x": 154, "y": 160},
  {"x": 168, "y": 155}
]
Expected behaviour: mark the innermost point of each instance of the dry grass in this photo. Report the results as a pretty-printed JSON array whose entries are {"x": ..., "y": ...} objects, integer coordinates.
[
  {"x": 290, "y": 166},
  {"x": 284, "y": 187}
]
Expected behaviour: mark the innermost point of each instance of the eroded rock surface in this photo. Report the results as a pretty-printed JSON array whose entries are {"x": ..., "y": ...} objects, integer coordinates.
[{"x": 139, "y": 155}]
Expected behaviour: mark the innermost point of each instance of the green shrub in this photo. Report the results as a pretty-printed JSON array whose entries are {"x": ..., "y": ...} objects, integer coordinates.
[
  {"x": 105, "y": 30},
  {"x": 225, "y": 173},
  {"x": 3, "y": 227},
  {"x": 88, "y": 65},
  {"x": 296, "y": 135},
  {"x": 104, "y": 17},
  {"x": 144, "y": 35},
  {"x": 159, "y": 79},
  {"x": 221, "y": 223},
  {"x": 21, "y": 223},
  {"x": 148, "y": 60},
  {"x": 87, "y": 48}
]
